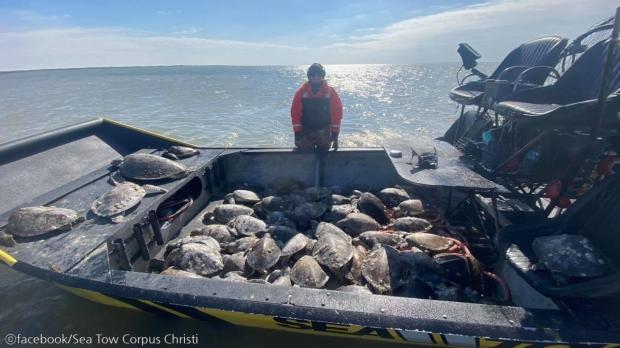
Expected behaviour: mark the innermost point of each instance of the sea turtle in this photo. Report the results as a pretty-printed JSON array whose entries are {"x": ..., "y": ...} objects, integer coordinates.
[
  {"x": 429, "y": 242},
  {"x": 122, "y": 197},
  {"x": 412, "y": 224},
  {"x": 460, "y": 269},
  {"x": 315, "y": 194},
  {"x": 384, "y": 270},
  {"x": 372, "y": 206},
  {"x": 415, "y": 287},
  {"x": 179, "y": 273},
  {"x": 338, "y": 212},
  {"x": 206, "y": 240},
  {"x": 325, "y": 228},
  {"x": 356, "y": 223},
  {"x": 332, "y": 250},
  {"x": 177, "y": 152},
  {"x": 235, "y": 262},
  {"x": 247, "y": 225},
  {"x": 264, "y": 254},
  {"x": 308, "y": 211},
  {"x": 294, "y": 200},
  {"x": 393, "y": 196},
  {"x": 234, "y": 276},
  {"x": 6, "y": 239},
  {"x": 278, "y": 218},
  {"x": 39, "y": 220},
  {"x": 224, "y": 213},
  {"x": 337, "y": 199},
  {"x": 144, "y": 166},
  {"x": 222, "y": 233},
  {"x": 199, "y": 258},
  {"x": 295, "y": 245},
  {"x": 393, "y": 239},
  {"x": 280, "y": 277},
  {"x": 282, "y": 233},
  {"x": 241, "y": 244},
  {"x": 245, "y": 197},
  {"x": 270, "y": 204},
  {"x": 571, "y": 255},
  {"x": 355, "y": 270},
  {"x": 410, "y": 207},
  {"x": 308, "y": 273}
]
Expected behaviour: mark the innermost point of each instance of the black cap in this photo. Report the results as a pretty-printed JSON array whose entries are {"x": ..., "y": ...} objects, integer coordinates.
[{"x": 316, "y": 69}]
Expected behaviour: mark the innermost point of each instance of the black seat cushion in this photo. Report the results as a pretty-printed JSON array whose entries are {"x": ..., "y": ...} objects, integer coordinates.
[
  {"x": 544, "y": 51},
  {"x": 573, "y": 97}
]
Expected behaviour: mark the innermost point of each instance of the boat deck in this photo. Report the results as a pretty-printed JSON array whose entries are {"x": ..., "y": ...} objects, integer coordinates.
[{"x": 63, "y": 251}]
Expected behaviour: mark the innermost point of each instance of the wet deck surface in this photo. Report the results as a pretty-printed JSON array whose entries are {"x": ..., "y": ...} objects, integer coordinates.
[
  {"x": 451, "y": 172},
  {"x": 64, "y": 250}
]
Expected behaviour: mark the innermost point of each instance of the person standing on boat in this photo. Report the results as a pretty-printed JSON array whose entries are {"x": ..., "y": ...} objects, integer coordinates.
[{"x": 316, "y": 112}]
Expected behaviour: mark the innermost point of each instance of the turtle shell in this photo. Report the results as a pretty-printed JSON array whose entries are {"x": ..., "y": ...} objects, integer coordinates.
[
  {"x": 370, "y": 238},
  {"x": 356, "y": 223},
  {"x": 429, "y": 242},
  {"x": 412, "y": 224},
  {"x": 308, "y": 273},
  {"x": 241, "y": 244},
  {"x": 393, "y": 196},
  {"x": 144, "y": 166},
  {"x": 332, "y": 250},
  {"x": 247, "y": 225},
  {"x": 122, "y": 197},
  {"x": 36, "y": 221},
  {"x": 295, "y": 245},
  {"x": 411, "y": 207},
  {"x": 199, "y": 258},
  {"x": 372, "y": 206},
  {"x": 264, "y": 254},
  {"x": 571, "y": 255},
  {"x": 225, "y": 212},
  {"x": 383, "y": 269},
  {"x": 222, "y": 233},
  {"x": 245, "y": 197},
  {"x": 183, "y": 151}
]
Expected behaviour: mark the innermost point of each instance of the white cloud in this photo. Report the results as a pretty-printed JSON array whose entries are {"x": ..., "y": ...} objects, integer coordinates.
[{"x": 493, "y": 28}]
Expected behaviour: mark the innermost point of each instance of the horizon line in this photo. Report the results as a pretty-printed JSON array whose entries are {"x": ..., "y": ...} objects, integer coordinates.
[{"x": 214, "y": 65}]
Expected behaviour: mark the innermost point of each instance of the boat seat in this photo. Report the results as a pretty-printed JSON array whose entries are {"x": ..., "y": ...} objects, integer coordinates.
[
  {"x": 468, "y": 94},
  {"x": 572, "y": 98},
  {"x": 540, "y": 52},
  {"x": 593, "y": 216}
]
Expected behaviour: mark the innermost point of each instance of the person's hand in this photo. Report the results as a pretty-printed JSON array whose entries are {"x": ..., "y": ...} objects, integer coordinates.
[
  {"x": 335, "y": 141},
  {"x": 297, "y": 139}
]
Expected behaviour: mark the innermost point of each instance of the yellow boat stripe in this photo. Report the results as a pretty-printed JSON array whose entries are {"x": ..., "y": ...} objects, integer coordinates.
[
  {"x": 163, "y": 308},
  {"x": 98, "y": 297},
  {"x": 7, "y": 258},
  {"x": 151, "y": 133},
  {"x": 438, "y": 339}
]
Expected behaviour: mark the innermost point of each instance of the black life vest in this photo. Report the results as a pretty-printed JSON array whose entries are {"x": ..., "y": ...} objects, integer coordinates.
[{"x": 316, "y": 113}]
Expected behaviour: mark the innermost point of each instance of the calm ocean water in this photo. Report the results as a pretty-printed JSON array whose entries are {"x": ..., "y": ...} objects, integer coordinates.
[{"x": 211, "y": 106}]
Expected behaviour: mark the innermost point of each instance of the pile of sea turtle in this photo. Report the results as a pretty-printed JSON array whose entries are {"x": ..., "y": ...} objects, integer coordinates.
[
  {"x": 318, "y": 237},
  {"x": 35, "y": 221}
]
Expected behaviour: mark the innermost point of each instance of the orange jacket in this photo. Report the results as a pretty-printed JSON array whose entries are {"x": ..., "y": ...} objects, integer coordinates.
[{"x": 305, "y": 91}]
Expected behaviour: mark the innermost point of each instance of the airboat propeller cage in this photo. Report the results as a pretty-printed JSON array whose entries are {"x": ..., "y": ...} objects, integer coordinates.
[{"x": 469, "y": 56}]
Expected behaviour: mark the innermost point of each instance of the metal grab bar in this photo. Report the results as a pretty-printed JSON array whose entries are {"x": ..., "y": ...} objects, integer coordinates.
[
  {"x": 526, "y": 71},
  {"x": 511, "y": 68}
]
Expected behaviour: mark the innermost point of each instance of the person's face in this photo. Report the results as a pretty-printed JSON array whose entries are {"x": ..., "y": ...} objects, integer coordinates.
[{"x": 316, "y": 78}]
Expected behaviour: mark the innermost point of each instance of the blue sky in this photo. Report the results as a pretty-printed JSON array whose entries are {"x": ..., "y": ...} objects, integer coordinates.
[{"x": 58, "y": 34}]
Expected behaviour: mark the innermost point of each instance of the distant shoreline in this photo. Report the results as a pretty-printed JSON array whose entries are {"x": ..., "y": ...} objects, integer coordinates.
[{"x": 206, "y": 65}]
